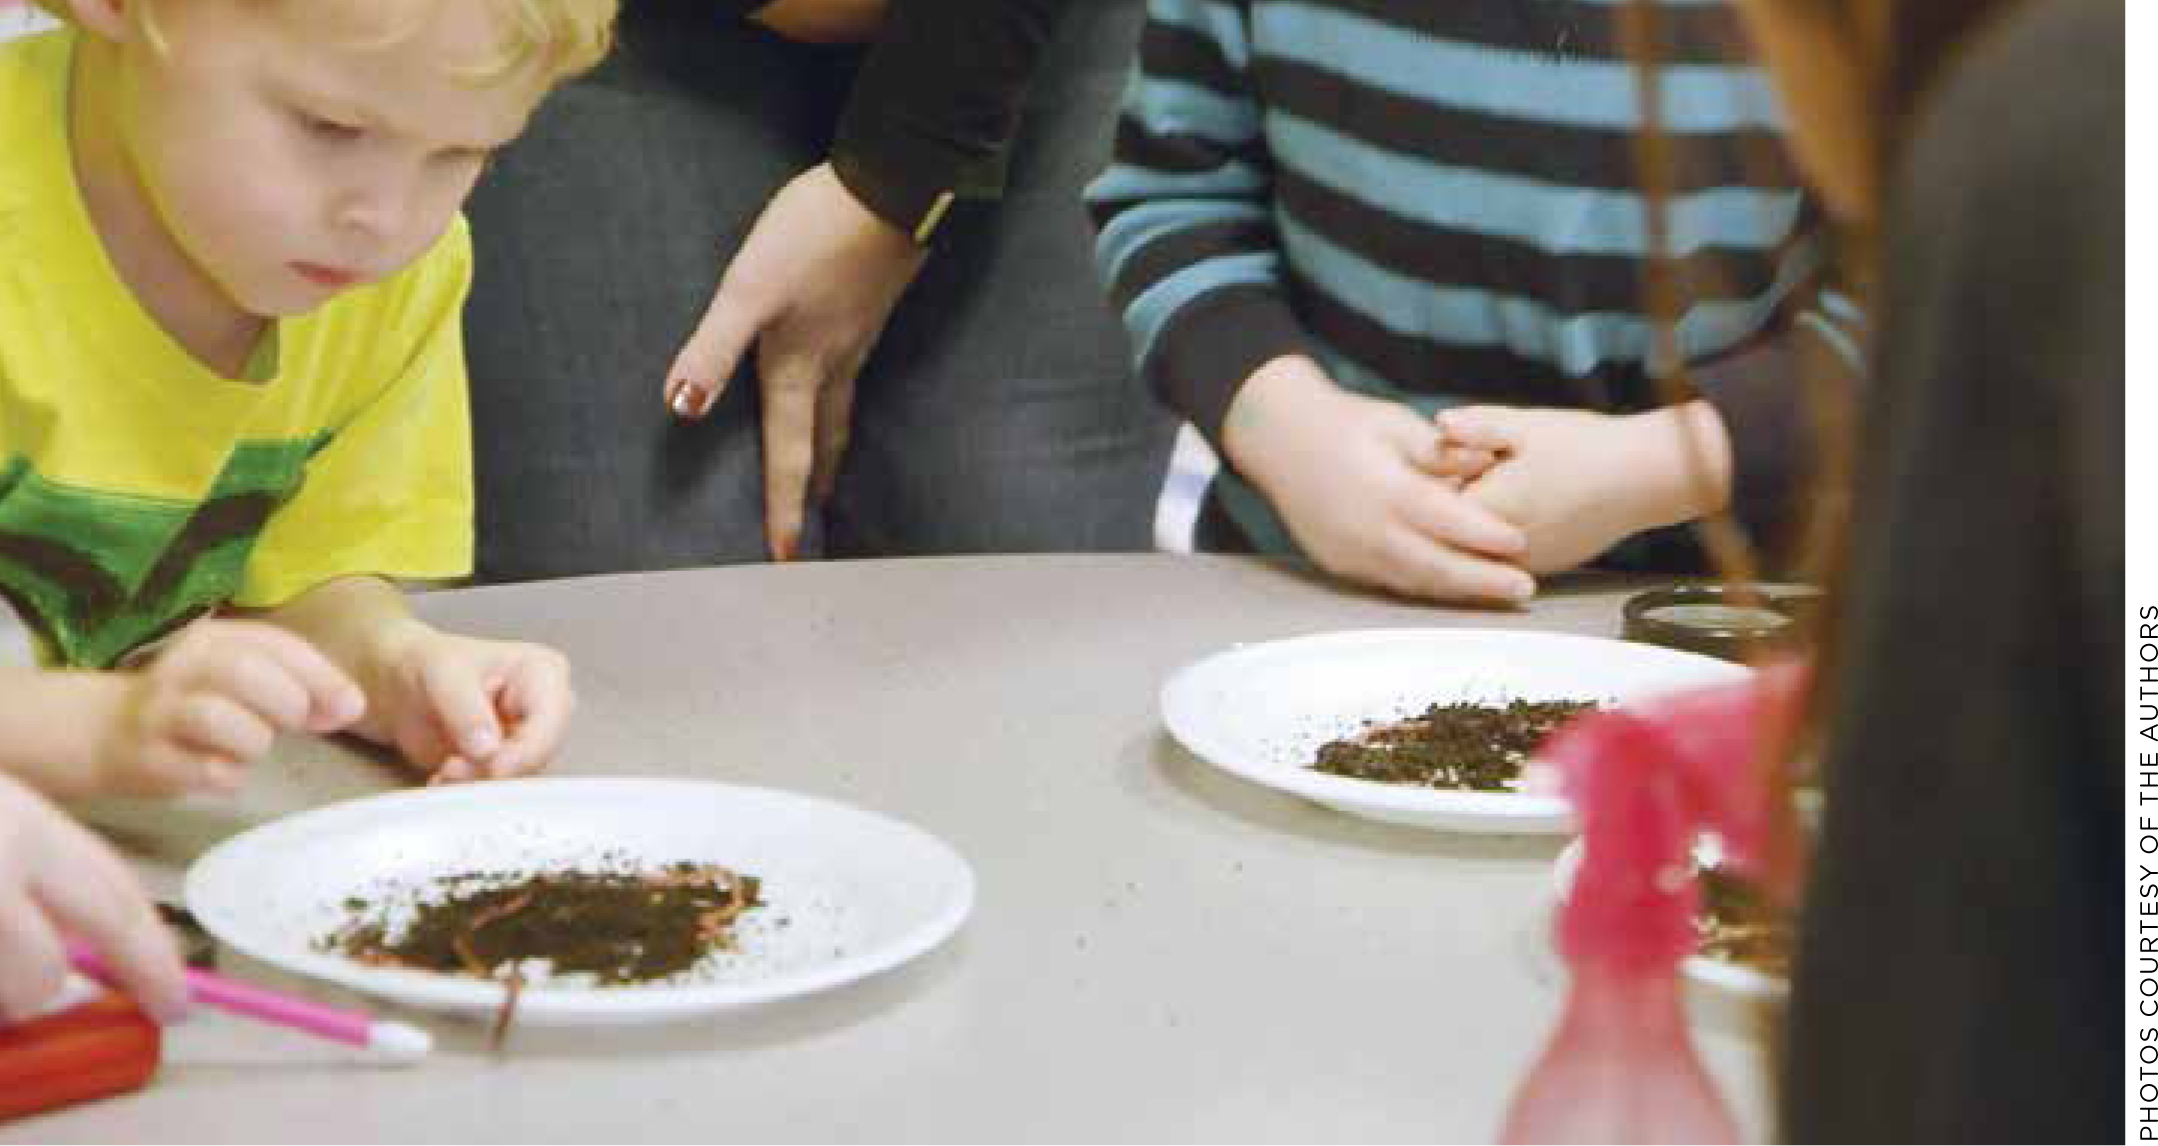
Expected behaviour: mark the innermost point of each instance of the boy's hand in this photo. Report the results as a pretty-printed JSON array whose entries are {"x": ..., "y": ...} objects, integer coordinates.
[
  {"x": 1578, "y": 482},
  {"x": 465, "y": 708},
  {"x": 210, "y": 701},
  {"x": 1460, "y": 463},
  {"x": 56, "y": 878},
  {"x": 1363, "y": 487},
  {"x": 810, "y": 289}
]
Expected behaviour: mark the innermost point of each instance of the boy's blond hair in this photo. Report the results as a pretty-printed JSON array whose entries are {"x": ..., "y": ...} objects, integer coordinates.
[{"x": 567, "y": 37}]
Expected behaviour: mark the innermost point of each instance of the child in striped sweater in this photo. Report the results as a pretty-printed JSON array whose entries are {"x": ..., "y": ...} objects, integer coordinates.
[{"x": 1328, "y": 220}]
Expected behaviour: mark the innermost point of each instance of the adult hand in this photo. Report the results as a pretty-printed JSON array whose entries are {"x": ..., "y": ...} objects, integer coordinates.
[{"x": 811, "y": 288}]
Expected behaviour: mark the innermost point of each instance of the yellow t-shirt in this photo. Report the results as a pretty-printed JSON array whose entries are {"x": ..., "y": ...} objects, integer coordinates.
[{"x": 138, "y": 488}]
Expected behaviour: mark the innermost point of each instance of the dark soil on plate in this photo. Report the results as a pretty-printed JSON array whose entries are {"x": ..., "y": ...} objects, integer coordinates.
[
  {"x": 1738, "y": 926},
  {"x": 619, "y": 927},
  {"x": 1463, "y": 746}
]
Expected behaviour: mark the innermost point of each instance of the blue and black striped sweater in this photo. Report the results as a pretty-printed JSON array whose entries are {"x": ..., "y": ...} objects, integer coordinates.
[{"x": 1439, "y": 201}]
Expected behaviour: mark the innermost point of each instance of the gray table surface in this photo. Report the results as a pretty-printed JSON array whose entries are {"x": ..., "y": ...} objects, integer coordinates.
[{"x": 1159, "y": 951}]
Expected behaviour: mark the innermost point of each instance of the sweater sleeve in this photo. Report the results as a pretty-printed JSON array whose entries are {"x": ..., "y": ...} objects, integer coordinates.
[
  {"x": 933, "y": 113},
  {"x": 1185, "y": 236}
]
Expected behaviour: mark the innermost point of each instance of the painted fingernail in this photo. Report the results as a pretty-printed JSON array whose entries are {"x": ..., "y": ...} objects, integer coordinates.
[{"x": 685, "y": 401}]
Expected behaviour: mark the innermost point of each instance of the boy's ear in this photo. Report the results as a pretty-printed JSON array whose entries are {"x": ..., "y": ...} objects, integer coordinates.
[{"x": 107, "y": 18}]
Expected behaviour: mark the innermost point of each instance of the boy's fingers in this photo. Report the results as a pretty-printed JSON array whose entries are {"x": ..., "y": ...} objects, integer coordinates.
[
  {"x": 263, "y": 687},
  {"x": 1428, "y": 448},
  {"x": 705, "y": 363},
  {"x": 1442, "y": 514},
  {"x": 1482, "y": 427},
  {"x": 214, "y": 773},
  {"x": 1463, "y": 461},
  {"x": 334, "y": 700},
  {"x": 219, "y": 728},
  {"x": 1441, "y": 573},
  {"x": 462, "y": 708},
  {"x": 790, "y": 426},
  {"x": 422, "y": 742},
  {"x": 1503, "y": 491},
  {"x": 1457, "y": 466},
  {"x": 1419, "y": 444},
  {"x": 222, "y": 775},
  {"x": 538, "y": 700}
]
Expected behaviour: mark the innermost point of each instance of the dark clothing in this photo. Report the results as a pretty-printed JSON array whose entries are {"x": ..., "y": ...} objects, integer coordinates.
[
  {"x": 937, "y": 102},
  {"x": 1959, "y": 978},
  {"x": 998, "y": 412}
]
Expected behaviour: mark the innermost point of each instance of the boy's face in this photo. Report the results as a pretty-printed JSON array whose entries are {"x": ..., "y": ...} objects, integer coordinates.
[{"x": 292, "y": 155}]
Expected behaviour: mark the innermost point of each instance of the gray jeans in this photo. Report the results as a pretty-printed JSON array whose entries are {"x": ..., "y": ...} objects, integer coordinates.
[{"x": 999, "y": 412}]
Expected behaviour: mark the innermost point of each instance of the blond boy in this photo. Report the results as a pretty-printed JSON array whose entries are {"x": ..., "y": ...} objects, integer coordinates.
[{"x": 232, "y": 397}]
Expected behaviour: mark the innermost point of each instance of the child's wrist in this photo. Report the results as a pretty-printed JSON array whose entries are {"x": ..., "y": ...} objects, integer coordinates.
[
  {"x": 1683, "y": 455},
  {"x": 386, "y": 653},
  {"x": 95, "y": 715},
  {"x": 1283, "y": 394}
]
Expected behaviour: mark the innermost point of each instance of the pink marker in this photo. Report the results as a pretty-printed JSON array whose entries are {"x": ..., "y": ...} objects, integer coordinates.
[{"x": 390, "y": 1041}]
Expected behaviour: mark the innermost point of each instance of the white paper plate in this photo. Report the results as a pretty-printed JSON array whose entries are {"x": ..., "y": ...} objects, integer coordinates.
[
  {"x": 1712, "y": 980},
  {"x": 847, "y": 893},
  {"x": 1262, "y": 711}
]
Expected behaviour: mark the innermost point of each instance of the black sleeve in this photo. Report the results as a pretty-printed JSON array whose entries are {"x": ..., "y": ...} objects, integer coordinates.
[
  {"x": 1958, "y": 976},
  {"x": 934, "y": 110}
]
